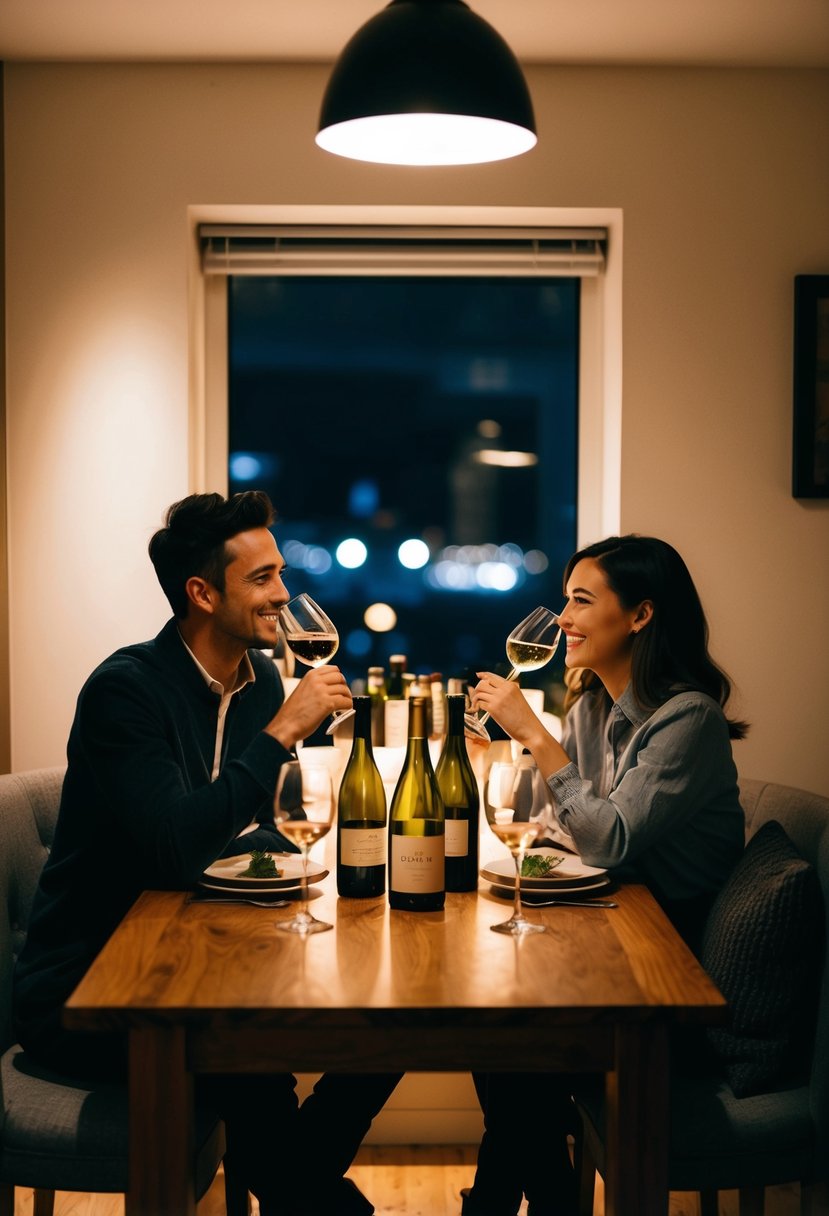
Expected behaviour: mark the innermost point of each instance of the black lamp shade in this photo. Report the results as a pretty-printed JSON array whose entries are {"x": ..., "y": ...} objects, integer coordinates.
[{"x": 423, "y": 62}]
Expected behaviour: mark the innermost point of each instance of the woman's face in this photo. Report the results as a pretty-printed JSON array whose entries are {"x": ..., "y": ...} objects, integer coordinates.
[{"x": 597, "y": 628}]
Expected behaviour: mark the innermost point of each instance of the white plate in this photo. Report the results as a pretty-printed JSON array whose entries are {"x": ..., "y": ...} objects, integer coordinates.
[
  {"x": 252, "y": 892},
  {"x": 571, "y": 872},
  {"x": 227, "y": 873},
  {"x": 586, "y": 889}
]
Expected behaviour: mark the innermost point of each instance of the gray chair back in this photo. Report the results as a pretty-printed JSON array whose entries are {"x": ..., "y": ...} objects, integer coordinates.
[
  {"x": 28, "y": 812},
  {"x": 720, "y": 1141},
  {"x": 805, "y": 819},
  {"x": 62, "y": 1134}
]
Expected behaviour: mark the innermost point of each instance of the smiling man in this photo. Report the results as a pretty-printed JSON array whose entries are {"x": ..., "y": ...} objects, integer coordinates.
[{"x": 174, "y": 754}]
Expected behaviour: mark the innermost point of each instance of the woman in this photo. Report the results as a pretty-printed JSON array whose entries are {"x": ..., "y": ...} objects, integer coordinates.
[{"x": 643, "y": 784}]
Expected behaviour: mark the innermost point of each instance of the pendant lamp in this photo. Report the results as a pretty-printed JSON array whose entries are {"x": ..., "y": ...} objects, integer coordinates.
[{"x": 427, "y": 82}]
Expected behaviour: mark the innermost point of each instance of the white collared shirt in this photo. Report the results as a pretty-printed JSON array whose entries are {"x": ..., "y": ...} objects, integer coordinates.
[{"x": 244, "y": 675}]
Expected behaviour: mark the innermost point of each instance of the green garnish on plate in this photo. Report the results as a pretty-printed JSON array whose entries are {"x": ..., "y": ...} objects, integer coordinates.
[
  {"x": 539, "y": 867},
  {"x": 262, "y": 865}
]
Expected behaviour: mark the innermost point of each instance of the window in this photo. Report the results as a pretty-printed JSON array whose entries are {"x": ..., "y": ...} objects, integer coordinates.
[
  {"x": 418, "y": 438},
  {"x": 437, "y": 412}
]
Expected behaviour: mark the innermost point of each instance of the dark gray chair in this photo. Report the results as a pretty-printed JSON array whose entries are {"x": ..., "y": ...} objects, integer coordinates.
[
  {"x": 720, "y": 1141},
  {"x": 56, "y": 1134}
]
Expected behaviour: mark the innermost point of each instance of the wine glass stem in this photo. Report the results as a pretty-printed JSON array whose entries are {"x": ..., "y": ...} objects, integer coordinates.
[
  {"x": 517, "y": 913},
  {"x": 513, "y": 675},
  {"x": 303, "y": 912}
]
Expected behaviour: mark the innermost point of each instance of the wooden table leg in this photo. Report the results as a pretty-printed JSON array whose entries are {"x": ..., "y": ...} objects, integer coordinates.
[
  {"x": 161, "y": 1125},
  {"x": 637, "y": 1134}
]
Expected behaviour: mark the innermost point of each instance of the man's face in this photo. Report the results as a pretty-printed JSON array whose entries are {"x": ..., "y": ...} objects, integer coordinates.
[{"x": 247, "y": 611}]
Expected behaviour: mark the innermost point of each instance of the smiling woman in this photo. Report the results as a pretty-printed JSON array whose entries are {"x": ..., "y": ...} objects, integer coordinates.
[{"x": 643, "y": 785}]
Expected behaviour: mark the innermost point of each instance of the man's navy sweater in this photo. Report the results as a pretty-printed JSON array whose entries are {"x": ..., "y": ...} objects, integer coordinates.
[{"x": 138, "y": 809}]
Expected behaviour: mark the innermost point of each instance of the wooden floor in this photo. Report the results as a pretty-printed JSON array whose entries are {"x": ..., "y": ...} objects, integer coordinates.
[{"x": 405, "y": 1182}]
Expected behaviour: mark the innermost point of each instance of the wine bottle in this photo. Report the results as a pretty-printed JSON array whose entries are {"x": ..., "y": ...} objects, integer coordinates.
[
  {"x": 396, "y": 710},
  {"x": 361, "y": 815},
  {"x": 397, "y": 665},
  {"x": 421, "y": 687},
  {"x": 459, "y": 791},
  {"x": 376, "y": 689},
  {"x": 438, "y": 706},
  {"x": 416, "y": 841}
]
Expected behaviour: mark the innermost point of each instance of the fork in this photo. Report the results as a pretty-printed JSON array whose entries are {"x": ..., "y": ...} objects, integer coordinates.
[
  {"x": 257, "y": 903},
  {"x": 571, "y": 903}
]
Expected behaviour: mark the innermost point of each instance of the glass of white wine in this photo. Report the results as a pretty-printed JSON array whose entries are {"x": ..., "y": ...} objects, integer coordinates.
[
  {"x": 516, "y": 821},
  {"x": 304, "y": 812},
  {"x": 530, "y": 645}
]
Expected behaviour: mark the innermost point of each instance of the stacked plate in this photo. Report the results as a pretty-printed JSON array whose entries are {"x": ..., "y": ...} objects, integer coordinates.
[
  {"x": 227, "y": 875},
  {"x": 570, "y": 877}
]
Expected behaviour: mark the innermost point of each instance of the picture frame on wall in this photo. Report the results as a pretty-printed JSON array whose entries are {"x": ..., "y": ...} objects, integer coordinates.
[{"x": 810, "y": 452}]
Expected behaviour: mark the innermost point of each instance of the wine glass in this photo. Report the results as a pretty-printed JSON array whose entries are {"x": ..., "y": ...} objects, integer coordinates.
[
  {"x": 515, "y": 817},
  {"x": 304, "y": 812},
  {"x": 308, "y": 632},
  {"x": 312, "y": 636},
  {"x": 530, "y": 645}
]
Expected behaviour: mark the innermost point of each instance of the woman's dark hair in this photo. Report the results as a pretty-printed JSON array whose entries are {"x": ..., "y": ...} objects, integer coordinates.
[
  {"x": 671, "y": 653},
  {"x": 193, "y": 541}
]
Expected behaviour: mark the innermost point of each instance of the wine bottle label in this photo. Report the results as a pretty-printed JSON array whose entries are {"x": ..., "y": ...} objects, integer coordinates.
[
  {"x": 457, "y": 837},
  {"x": 363, "y": 846},
  {"x": 397, "y": 723},
  {"x": 417, "y": 864}
]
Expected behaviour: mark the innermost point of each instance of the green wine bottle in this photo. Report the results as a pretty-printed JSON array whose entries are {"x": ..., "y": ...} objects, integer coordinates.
[
  {"x": 376, "y": 689},
  {"x": 396, "y": 709},
  {"x": 459, "y": 791},
  {"x": 416, "y": 841},
  {"x": 361, "y": 816}
]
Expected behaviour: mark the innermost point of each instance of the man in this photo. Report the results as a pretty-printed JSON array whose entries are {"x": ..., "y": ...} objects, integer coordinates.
[{"x": 173, "y": 753}]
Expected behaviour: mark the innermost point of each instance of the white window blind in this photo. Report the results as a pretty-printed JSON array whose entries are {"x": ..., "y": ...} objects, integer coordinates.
[{"x": 399, "y": 250}]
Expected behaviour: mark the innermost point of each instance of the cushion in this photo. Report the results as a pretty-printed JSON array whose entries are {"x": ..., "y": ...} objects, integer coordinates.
[
  {"x": 64, "y": 1134},
  {"x": 762, "y": 946}
]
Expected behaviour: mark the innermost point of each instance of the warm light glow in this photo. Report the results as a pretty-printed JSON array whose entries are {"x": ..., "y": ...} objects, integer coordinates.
[
  {"x": 380, "y": 618},
  {"x": 426, "y": 139},
  {"x": 488, "y": 428},
  {"x": 505, "y": 460}
]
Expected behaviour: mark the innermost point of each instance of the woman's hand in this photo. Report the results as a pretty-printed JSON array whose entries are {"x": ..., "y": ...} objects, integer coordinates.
[
  {"x": 504, "y": 700},
  {"x": 321, "y": 692}
]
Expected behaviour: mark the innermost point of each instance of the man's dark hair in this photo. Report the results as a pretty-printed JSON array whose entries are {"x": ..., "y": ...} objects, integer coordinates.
[{"x": 193, "y": 540}]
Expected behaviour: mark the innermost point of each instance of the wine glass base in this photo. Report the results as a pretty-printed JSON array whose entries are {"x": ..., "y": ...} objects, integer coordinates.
[
  {"x": 338, "y": 719},
  {"x": 517, "y": 928},
  {"x": 473, "y": 726},
  {"x": 303, "y": 926}
]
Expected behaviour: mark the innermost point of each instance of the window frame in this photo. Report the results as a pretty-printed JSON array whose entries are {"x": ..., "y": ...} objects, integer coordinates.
[{"x": 600, "y": 353}]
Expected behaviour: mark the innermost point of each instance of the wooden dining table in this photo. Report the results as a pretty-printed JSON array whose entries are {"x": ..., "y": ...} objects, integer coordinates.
[{"x": 208, "y": 987}]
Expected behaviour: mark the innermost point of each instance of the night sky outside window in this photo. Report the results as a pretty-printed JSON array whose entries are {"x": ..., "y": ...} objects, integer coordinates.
[{"x": 418, "y": 436}]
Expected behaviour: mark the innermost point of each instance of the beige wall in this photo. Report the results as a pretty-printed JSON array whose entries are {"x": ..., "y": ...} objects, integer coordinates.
[
  {"x": 5, "y": 737},
  {"x": 723, "y": 178}
]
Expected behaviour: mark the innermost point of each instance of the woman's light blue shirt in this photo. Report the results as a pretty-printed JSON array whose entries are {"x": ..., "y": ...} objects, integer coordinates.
[{"x": 651, "y": 795}]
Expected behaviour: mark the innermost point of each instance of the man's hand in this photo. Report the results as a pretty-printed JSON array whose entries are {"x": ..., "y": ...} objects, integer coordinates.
[{"x": 321, "y": 692}]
